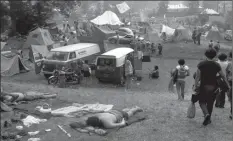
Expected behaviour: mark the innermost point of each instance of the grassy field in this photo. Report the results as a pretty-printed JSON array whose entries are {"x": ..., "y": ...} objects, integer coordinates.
[{"x": 167, "y": 116}]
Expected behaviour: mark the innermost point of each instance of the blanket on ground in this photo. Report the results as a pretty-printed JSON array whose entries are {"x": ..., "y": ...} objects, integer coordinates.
[
  {"x": 79, "y": 110},
  {"x": 134, "y": 119}
]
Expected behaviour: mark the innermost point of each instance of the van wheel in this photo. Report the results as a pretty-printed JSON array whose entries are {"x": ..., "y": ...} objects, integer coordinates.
[{"x": 47, "y": 75}]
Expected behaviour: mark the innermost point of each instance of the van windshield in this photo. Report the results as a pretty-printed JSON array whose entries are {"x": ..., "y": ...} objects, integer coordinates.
[
  {"x": 106, "y": 62},
  {"x": 59, "y": 56}
]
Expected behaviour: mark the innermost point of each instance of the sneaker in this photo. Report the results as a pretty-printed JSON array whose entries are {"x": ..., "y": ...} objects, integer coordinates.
[{"x": 206, "y": 120}]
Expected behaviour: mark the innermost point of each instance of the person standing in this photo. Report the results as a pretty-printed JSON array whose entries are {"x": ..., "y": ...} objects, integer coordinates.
[
  {"x": 223, "y": 62},
  {"x": 86, "y": 70},
  {"x": 153, "y": 48},
  {"x": 229, "y": 78},
  {"x": 194, "y": 35},
  {"x": 206, "y": 76},
  {"x": 160, "y": 48},
  {"x": 128, "y": 73},
  {"x": 198, "y": 37},
  {"x": 182, "y": 71}
]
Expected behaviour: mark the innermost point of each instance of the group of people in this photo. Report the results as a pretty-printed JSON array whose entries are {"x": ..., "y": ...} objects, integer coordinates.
[{"x": 213, "y": 80}]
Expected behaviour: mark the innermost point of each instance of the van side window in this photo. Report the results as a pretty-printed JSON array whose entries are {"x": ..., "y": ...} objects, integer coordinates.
[{"x": 72, "y": 55}]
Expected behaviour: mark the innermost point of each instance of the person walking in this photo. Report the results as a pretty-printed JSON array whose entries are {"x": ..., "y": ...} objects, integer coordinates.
[
  {"x": 220, "y": 99},
  {"x": 211, "y": 44},
  {"x": 229, "y": 78},
  {"x": 182, "y": 71},
  {"x": 206, "y": 77}
]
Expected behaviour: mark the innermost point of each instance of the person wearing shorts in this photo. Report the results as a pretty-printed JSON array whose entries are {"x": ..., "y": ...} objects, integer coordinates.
[{"x": 107, "y": 120}]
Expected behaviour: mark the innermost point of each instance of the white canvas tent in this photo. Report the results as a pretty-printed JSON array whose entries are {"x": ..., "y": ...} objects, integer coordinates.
[
  {"x": 12, "y": 65},
  {"x": 214, "y": 34},
  {"x": 177, "y": 6},
  {"x": 167, "y": 33},
  {"x": 107, "y": 18},
  {"x": 2, "y": 45},
  {"x": 38, "y": 36}
]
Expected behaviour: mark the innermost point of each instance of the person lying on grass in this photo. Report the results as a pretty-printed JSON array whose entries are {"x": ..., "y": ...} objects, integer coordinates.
[
  {"x": 14, "y": 97},
  {"x": 107, "y": 120}
]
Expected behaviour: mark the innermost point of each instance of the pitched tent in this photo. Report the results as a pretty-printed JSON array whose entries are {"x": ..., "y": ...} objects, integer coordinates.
[
  {"x": 38, "y": 49},
  {"x": 38, "y": 36},
  {"x": 214, "y": 34},
  {"x": 12, "y": 65},
  {"x": 3, "y": 45},
  {"x": 13, "y": 44},
  {"x": 107, "y": 18},
  {"x": 182, "y": 33},
  {"x": 167, "y": 33}
]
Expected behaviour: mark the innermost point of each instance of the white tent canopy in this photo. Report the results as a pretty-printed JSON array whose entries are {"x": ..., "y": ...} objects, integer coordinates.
[
  {"x": 210, "y": 12},
  {"x": 167, "y": 30},
  {"x": 108, "y": 17}
]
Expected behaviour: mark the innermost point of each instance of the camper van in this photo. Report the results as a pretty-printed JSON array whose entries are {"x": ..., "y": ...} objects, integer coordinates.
[
  {"x": 64, "y": 56},
  {"x": 110, "y": 65}
]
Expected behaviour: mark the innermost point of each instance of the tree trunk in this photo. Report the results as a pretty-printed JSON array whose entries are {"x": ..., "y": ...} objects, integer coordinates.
[{"x": 13, "y": 6}]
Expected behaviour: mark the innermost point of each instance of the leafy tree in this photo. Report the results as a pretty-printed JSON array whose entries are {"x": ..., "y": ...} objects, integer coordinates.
[
  {"x": 228, "y": 19},
  {"x": 25, "y": 15},
  {"x": 203, "y": 18},
  {"x": 193, "y": 7},
  {"x": 162, "y": 8}
]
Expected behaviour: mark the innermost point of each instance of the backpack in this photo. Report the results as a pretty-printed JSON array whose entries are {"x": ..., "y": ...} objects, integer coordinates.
[{"x": 181, "y": 73}]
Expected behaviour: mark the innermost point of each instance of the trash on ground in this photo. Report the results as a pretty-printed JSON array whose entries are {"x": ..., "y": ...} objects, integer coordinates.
[
  {"x": 19, "y": 127},
  {"x": 29, "y": 120},
  {"x": 18, "y": 136},
  {"x": 47, "y": 130},
  {"x": 63, "y": 130},
  {"x": 33, "y": 133}
]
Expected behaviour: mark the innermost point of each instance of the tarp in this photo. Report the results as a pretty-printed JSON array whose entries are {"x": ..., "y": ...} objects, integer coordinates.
[
  {"x": 214, "y": 34},
  {"x": 42, "y": 49},
  {"x": 167, "y": 33},
  {"x": 12, "y": 65},
  {"x": 182, "y": 33},
  {"x": 210, "y": 12},
  {"x": 107, "y": 18},
  {"x": 38, "y": 37},
  {"x": 123, "y": 7}
]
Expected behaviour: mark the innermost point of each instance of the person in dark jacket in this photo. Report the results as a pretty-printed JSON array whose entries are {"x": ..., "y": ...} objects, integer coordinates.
[
  {"x": 206, "y": 77},
  {"x": 194, "y": 35},
  {"x": 160, "y": 48},
  {"x": 198, "y": 38}
]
